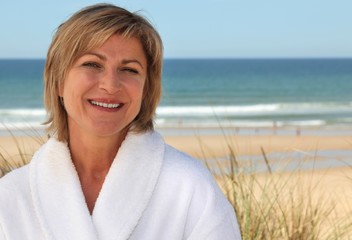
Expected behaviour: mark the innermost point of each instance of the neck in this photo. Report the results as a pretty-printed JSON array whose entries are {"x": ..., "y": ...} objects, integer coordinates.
[{"x": 93, "y": 156}]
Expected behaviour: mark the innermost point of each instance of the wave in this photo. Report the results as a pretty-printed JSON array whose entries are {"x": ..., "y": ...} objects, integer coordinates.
[
  {"x": 21, "y": 126},
  {"x": 239, "y": 124},
  {"x": 231, "y": 110},
  {"x": 256, "y": 110},
  {"x": 256, "y": 115},
  {"x": 213, "y": 110},
  {"x": 22, "y": 112},
  {"x": 161, "y": 123}
]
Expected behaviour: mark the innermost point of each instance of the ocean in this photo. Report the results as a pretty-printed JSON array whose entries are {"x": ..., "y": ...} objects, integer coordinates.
[{"x": 212, "y": 93}]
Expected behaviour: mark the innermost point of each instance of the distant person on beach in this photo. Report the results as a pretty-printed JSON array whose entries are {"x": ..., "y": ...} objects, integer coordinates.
[{"x": 105, "y": 173}]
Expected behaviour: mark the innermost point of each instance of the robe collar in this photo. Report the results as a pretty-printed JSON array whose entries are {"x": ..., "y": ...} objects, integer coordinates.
[{"x": 59, "y": 201}]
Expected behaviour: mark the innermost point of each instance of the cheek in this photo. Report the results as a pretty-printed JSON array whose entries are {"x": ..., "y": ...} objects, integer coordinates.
[
  {"x": 136, "y": 89},
  {"x": 69, "y": 91},
  {"x": 141, "y": 93},
  {"x": 76, "y": 84}
]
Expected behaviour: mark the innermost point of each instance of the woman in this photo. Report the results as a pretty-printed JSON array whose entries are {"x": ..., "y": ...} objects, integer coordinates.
[{"x": 105, "y": 173}]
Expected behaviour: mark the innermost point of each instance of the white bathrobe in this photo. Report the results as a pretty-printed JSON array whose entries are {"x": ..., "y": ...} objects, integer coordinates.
[{"x": 151, "y": 192}]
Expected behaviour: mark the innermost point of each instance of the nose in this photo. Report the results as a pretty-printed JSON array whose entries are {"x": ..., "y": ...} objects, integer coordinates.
[{"x": 110, "y": 82}]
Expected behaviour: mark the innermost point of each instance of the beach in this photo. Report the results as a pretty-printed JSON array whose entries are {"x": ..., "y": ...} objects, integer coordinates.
[
  {"x": 325, "y": 186},
  {"x": 204, "y": 145}
]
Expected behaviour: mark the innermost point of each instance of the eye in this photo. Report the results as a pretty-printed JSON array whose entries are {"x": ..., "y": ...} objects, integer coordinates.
[
  {"x": 130, "y": 70},
  {"x": 91, "y": 65}
]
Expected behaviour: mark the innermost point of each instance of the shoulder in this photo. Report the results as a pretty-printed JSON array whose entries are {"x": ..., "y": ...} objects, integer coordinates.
[
  {"x": 14, "y": 191},
  {"x": 15, "y": 180},
  {"x": 209, "y": 211},
  {"x": 189, "y": 176},
  {"x": 16, "y": 183},
  {"x": 183, "y": 168},
  {"x": 177, "y": 159}
]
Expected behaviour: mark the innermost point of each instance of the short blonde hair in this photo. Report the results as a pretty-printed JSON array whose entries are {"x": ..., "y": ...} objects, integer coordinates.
[{"x": 90, "y": 28}]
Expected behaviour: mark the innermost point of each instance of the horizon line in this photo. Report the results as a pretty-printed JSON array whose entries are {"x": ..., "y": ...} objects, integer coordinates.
[{"x": 215, "y": 58}]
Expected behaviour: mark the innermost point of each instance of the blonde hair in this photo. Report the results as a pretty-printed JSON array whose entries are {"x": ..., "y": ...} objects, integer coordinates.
[{"x": 90, "y": 28}]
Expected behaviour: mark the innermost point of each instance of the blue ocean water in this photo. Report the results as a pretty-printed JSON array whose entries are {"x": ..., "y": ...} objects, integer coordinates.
[{"x": 213, "y": 92}]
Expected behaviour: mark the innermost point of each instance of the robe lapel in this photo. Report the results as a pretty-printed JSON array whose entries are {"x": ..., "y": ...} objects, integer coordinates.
[
  {"x": 57, "y": 195},
  {"x": 128, "y": 186}
]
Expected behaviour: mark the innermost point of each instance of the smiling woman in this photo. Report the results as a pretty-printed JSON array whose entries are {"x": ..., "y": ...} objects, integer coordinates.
[
  {"x": 103, "y": 90},
  {"x": 105, "y": 173}
]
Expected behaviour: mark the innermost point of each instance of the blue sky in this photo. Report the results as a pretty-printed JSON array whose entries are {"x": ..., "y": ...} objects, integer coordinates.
[{"x": 199, "y": 28}]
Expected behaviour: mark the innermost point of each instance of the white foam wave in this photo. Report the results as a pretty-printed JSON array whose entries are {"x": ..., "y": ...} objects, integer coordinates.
[
  {"x": 255, "y": 110},
  {"x": 214, "y": 110},
  {"x": 232, "y": 110},
  {"x": 258, "y": 115},
  {"x": 307, "y": 123},
  {"x": 240, "y": 124},
  {"x": 22, "y": 112},
  {"x": 21, "y": 126}
]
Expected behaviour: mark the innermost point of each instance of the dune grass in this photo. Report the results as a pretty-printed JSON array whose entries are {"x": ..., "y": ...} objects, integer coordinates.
[
  {"x": 9, "y": 162},
  {"x": 280, "y": 205}
]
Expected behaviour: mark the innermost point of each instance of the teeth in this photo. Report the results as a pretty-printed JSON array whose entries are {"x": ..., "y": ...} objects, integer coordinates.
[{"x": 105, "y": 105}]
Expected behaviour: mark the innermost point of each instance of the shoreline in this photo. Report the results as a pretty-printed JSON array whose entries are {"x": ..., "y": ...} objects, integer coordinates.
[
  {"x": 249, "y": 144},
  {"x": 198, "y": 129}
]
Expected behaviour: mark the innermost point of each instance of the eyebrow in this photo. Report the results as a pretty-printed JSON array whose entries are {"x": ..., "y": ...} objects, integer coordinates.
[
  {"x": 102, "y": 57},
  {"x": 124, "y": 61}
]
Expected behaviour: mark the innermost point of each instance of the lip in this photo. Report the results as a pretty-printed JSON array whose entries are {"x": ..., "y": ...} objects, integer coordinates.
[{"x": 107, "y": 105}]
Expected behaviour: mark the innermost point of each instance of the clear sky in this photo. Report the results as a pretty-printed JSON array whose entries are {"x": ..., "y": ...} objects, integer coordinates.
[{"x": 199, "y": 28}]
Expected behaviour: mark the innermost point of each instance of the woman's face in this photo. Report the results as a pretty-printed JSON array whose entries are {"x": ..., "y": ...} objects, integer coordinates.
[{"x": 103, "y": 90}]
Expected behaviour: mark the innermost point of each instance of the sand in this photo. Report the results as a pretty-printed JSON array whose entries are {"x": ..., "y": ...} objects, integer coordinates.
[
  {"x": 218, "y": 146},
  {"x": 213, "y": 146}
]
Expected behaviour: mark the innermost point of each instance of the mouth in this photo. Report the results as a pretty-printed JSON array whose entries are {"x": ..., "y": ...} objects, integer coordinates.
[{"x": 105, "y": 104}]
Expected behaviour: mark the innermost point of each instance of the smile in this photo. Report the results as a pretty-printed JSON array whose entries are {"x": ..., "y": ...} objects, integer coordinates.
[{"x": 105, "y": 105}]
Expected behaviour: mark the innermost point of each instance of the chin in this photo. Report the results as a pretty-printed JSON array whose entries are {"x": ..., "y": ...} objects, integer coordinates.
[{"x": 110, "y": 132}]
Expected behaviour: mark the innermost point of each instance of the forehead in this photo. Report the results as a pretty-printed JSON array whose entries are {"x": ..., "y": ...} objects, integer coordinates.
[
  {"x": 115, "y": 45},
  {"x": 120, "y": 42}
]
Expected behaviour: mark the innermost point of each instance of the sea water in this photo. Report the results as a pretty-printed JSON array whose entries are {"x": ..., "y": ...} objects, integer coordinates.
[{"x": 236, "y": 93}]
